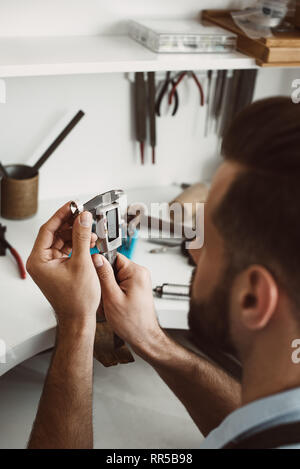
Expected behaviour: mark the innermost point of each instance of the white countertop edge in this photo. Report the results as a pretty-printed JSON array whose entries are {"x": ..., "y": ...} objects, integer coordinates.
[{"x": 25, "y": 350}]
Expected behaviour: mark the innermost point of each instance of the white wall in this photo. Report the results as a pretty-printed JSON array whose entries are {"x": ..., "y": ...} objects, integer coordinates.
[
  {"x": 67, "y": 17},
  {"x": 101, "y": 152}
]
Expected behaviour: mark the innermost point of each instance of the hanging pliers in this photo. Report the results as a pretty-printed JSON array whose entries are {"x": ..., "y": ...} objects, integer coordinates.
[
  {"x": 177, "y": 82},
  {"x": 4, "y": 244},
  {"x": 164, "y": 91}
]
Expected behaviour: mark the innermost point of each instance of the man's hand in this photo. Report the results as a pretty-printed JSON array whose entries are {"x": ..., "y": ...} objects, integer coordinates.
[
  {"x": 71, "y": 284},
  {"x": 64, "y": 417},
  {"x": 206, "y": 391},
  {"x": 128, "y": 302}
]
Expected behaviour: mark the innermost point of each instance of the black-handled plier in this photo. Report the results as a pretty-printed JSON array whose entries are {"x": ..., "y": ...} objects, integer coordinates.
[
  {"x": 4, "y": 244},
  {"x": 164, "y": 91}
]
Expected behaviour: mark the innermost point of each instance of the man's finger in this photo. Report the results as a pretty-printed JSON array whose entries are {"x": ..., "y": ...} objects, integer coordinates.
[
  {"x": 109, "y": 286},
  {"x": 67, "y": 235},
  {"x": 124, "y": 268},
  {"x": 60, "y": 243},
  {"x": 122, "y": 261},
  {"x": 47, "y": 232},
  {"x": 81, "y": 238}
]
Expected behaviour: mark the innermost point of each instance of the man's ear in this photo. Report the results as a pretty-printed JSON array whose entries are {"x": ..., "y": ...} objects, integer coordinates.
[{"x": 259, "y": 297}]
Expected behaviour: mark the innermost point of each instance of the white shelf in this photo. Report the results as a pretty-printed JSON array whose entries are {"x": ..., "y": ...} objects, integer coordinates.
[{"x": 38, "y": 56}]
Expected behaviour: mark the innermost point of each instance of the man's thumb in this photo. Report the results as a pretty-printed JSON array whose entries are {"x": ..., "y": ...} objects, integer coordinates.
[
  {"x": 106, "y": 275},
  {"x": 81, "y": 235}
]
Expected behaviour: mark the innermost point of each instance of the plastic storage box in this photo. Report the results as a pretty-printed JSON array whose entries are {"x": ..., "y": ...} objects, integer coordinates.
[{"x": 174, "y": 36}]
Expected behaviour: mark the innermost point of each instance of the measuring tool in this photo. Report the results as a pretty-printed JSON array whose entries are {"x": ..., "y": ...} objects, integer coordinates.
[{"x": 108, "y": 222}]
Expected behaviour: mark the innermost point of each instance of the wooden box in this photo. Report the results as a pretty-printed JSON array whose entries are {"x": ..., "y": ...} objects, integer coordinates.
[{"x": 281, "y": 49}]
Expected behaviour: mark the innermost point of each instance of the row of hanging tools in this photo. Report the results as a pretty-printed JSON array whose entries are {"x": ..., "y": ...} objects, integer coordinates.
[
  {"x": 144, "y": 109},
  {"x": 227, "y": 93},
  {"x": 147, "y": 106}
]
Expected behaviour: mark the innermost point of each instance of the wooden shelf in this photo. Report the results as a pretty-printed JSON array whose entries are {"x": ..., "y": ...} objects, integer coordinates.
[{"x": 38, "y": 56}]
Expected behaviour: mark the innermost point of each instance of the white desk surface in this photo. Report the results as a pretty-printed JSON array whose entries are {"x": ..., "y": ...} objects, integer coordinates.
[{"x": 27, "y": 322}]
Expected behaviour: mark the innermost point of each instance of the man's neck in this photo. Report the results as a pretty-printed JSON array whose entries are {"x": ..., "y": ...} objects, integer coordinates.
[{"x": 268, "y": 368}]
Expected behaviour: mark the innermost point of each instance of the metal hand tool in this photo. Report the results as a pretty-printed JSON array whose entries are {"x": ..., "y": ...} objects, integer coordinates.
[
  {"x": 172, "y": 290},
  {"x": 4, "y": 244},
  {"x": 140, "y": 111},
  {"x": 208, "y": 100},
  {"x": 219, "y": 96},
  {"x": 241, "y": 94},
  {"x": 152, "y": 115},
  {"x": 106, "y": 213},
  {"x": 225, "y": 104},
  {"x": 108, "y": 220},
  {"x": 178, "y": 81},
  {"x": 245, "y": 92},
  {"x": 163, "y": 92},
  {"x": 212, "y": 90}
]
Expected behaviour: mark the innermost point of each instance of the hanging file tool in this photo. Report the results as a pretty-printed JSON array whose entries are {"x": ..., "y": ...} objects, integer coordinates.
[
  {"x": 152, "y": 114},
  {"x": 140, "y": 111}
]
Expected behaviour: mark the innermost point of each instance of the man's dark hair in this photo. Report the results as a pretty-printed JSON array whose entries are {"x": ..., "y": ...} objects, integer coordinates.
[{"x": 259, "y": 216}]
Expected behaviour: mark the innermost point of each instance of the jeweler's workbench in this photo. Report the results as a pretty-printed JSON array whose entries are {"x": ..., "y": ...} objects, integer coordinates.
[{"x": 27, "y": 322}]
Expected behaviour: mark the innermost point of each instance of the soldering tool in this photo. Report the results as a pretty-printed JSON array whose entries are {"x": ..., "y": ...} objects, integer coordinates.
[{"x": 172, "y": 291}]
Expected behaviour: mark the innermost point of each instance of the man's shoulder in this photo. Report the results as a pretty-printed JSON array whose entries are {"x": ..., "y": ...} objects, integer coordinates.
[{"x": 260, "y": 415}]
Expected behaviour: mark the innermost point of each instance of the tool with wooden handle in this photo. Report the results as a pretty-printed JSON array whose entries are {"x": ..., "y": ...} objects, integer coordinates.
[{"x": 109, "y": 349}]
